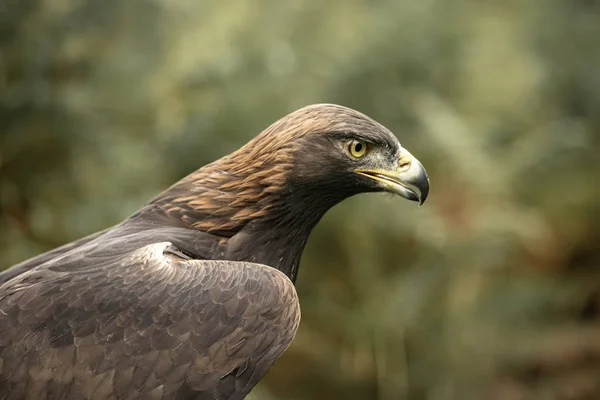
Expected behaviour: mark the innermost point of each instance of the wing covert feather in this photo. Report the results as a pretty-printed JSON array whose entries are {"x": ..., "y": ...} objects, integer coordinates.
[{"x": 145, "y": 324}]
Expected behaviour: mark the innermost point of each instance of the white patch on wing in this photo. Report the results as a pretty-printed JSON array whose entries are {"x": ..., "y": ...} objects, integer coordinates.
[{"x": 150, "y": 256}]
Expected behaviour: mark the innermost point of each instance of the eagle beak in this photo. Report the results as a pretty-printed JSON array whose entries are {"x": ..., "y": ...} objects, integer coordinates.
[{"x": 409, "y": 179}]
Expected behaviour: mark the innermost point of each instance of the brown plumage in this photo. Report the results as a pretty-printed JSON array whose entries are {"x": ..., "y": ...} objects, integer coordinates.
[{"x": 192, "y": 297}]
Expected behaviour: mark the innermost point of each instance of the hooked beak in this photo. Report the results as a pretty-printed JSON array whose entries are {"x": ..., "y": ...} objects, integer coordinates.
[{"x": 409, "y": 180}]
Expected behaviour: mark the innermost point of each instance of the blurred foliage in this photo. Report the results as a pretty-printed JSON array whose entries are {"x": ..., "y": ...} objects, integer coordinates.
[{"x": 491, "y": 290}]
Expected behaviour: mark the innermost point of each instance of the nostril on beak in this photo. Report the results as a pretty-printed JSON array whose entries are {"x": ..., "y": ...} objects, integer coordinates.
[{"x": 405, "y": 161}]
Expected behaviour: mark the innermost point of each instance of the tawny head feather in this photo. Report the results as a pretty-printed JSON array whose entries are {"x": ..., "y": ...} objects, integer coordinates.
[{"x": 299, "y": 151}]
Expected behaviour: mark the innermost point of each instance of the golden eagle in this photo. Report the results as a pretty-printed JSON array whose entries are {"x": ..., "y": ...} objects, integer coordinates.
[{"x": 192, "y": 297}]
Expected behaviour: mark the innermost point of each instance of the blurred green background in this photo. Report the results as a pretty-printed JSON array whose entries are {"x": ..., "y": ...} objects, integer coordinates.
[{"x": 489, "y": 291}]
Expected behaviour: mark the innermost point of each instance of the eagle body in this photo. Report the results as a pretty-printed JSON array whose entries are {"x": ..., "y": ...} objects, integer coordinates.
[{"x": 192, "y": 297}]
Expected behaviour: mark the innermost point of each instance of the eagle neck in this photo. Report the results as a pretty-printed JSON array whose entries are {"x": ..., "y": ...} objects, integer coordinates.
[{"x": 279, "y": 238}]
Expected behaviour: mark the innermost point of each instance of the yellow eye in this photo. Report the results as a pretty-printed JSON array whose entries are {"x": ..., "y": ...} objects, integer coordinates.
[{"x": 357, "y": 148}]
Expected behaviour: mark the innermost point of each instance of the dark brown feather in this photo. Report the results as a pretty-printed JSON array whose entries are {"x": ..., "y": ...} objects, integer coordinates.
[{"x": 166, "y": 321}]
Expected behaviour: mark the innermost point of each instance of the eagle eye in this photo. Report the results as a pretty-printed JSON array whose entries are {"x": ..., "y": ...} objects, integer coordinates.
[{"x": 357, "y": 148}]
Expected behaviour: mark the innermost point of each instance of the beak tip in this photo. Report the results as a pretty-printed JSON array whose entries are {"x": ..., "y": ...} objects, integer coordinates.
[{"x": 424, "y": 192}]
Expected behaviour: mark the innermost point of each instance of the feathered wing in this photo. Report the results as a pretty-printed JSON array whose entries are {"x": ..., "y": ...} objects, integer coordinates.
[
  {"x": 106, "y": 322},
  {"x": 31, "y": 263}
]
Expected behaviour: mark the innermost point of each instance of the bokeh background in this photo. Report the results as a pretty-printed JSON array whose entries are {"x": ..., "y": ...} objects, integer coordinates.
[{"x": 489, "y": 291}]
